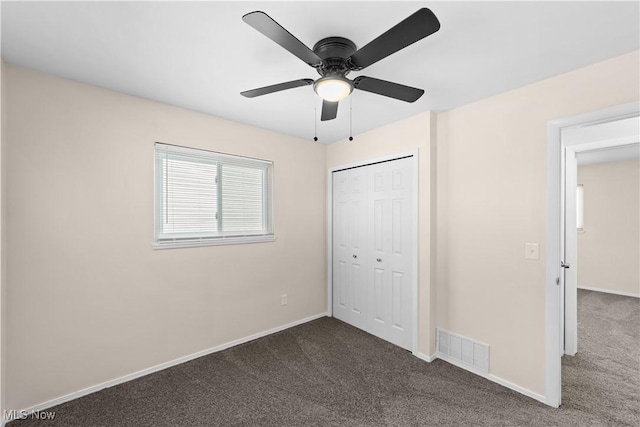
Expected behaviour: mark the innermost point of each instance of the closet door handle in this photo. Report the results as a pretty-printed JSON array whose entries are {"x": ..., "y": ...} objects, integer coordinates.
[
  {"x": 355, "y": 256},
  {"x": 379, "y": 259}
]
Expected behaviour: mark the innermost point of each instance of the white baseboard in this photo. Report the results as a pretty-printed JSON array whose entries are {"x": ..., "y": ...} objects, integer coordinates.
[
  {"x": 156, "y": 368},
  {"x": 493, "y": 378},
  {"x": 424, "y": 356},
  {"x": 610, "y": 291},
  {"x": 476, "y": 371}
]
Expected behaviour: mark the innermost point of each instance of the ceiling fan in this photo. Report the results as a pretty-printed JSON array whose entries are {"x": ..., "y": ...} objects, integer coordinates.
[{"x": 335, "y": 57}]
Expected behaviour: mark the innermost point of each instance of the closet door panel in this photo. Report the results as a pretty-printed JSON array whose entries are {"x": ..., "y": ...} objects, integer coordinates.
[
  {"x": 340, "y": 246},
  {"x": 378, "y": 217},
  {"x": 402, "y": 235},
  {"x": 349, "y": 242},
  {"x": 357, "y": 245}
]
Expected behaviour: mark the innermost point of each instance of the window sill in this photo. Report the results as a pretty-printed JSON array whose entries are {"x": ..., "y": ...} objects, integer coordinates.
[{"x": 235, "y": 240}]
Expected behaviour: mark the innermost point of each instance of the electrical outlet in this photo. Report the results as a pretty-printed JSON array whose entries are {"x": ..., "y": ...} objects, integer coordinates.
[{"x": 283, "y": 299}]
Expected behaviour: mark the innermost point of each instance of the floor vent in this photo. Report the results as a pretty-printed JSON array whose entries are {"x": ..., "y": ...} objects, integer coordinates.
[{"x": 463, "y": 350}]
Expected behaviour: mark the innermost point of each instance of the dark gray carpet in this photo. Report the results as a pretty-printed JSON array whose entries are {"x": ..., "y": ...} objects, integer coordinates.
[
  {"x": 327, "y": 373},
  {"x": 602, "y": 381}
]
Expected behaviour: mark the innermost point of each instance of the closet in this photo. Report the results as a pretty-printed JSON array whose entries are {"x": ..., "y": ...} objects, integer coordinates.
[{"x": 374, "y": 248}]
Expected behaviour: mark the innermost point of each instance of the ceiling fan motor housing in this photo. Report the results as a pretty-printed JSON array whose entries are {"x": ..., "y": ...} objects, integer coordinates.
[{"x": 334, "y": 52}]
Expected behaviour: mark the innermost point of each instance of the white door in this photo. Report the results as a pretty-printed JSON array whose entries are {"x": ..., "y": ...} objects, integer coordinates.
[
  {"x": 569, "y": 246},
  {"x": 390, "y": 268},
  {"x": 374, "y": 234},
  {"x": 349, "y": 234}
]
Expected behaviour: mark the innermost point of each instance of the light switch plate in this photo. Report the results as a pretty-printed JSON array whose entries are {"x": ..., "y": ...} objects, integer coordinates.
[{"x": 532, "y": 251}]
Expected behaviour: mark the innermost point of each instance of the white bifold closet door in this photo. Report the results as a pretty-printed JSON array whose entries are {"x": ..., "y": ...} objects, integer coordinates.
[{"x": 374, "y": 234}]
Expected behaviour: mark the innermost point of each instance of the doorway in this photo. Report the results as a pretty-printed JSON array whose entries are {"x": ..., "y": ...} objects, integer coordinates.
[
  {"x": 616, "y": 126},
  {"x": 609, "y": 229}
]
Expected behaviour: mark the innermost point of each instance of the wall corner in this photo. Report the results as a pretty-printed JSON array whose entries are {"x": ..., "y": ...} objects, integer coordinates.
[{"x": 433, "y": 205}]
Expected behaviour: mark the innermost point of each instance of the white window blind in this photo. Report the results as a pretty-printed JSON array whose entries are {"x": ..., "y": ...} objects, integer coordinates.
[{"x": 203, "y": 197}]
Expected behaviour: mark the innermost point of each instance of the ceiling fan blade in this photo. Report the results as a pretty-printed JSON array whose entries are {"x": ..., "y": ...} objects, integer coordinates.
[
  {"x": 329, "y": 110},
  {"x": 270, "y": 28},
  {"x": 385, "y": 88},
  {"x": 276, "y": 88},
  {"x": 414, "y": 28}
]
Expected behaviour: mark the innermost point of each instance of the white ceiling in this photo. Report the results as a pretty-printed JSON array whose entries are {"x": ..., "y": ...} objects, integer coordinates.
[{"x": 201, "y": 55}]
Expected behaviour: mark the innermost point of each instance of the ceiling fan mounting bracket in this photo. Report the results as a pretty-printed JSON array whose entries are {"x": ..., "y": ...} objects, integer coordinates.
[
  {"x": 334, "y": 52},
  {"x": 334, "y": 47}
]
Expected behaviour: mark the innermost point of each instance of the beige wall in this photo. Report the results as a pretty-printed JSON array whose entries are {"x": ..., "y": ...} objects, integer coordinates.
[
  {"x": 88, "y": 300},
  {"x": 491, "y": 201},
  {"x": 418, "y": 132},
  {"x": 609, "y": 247}
]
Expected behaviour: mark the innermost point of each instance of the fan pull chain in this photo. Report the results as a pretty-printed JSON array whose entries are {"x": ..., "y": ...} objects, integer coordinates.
[
  {"x": 315, "y": 124},
  {"x": 351, "y": 118}
]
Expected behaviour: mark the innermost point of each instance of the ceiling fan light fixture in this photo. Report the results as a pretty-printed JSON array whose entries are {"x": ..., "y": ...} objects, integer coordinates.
[{"x": 333, "y": 88}]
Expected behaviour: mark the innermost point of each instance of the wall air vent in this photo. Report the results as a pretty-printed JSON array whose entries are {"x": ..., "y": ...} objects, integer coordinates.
[{"x": 463, "y": 351}]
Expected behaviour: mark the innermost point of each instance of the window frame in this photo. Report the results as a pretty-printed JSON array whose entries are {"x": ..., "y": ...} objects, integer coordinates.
[{"x": 197, "y": 239}]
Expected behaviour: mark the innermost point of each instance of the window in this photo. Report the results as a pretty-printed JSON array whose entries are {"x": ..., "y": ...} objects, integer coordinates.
[{"x": 208, "y": 198}]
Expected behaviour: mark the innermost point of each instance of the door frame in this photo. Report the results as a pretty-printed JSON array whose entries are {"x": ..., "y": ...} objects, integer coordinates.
[
  {"x": 562, "y": 141},
  {"x": 414, "y": 240}
]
